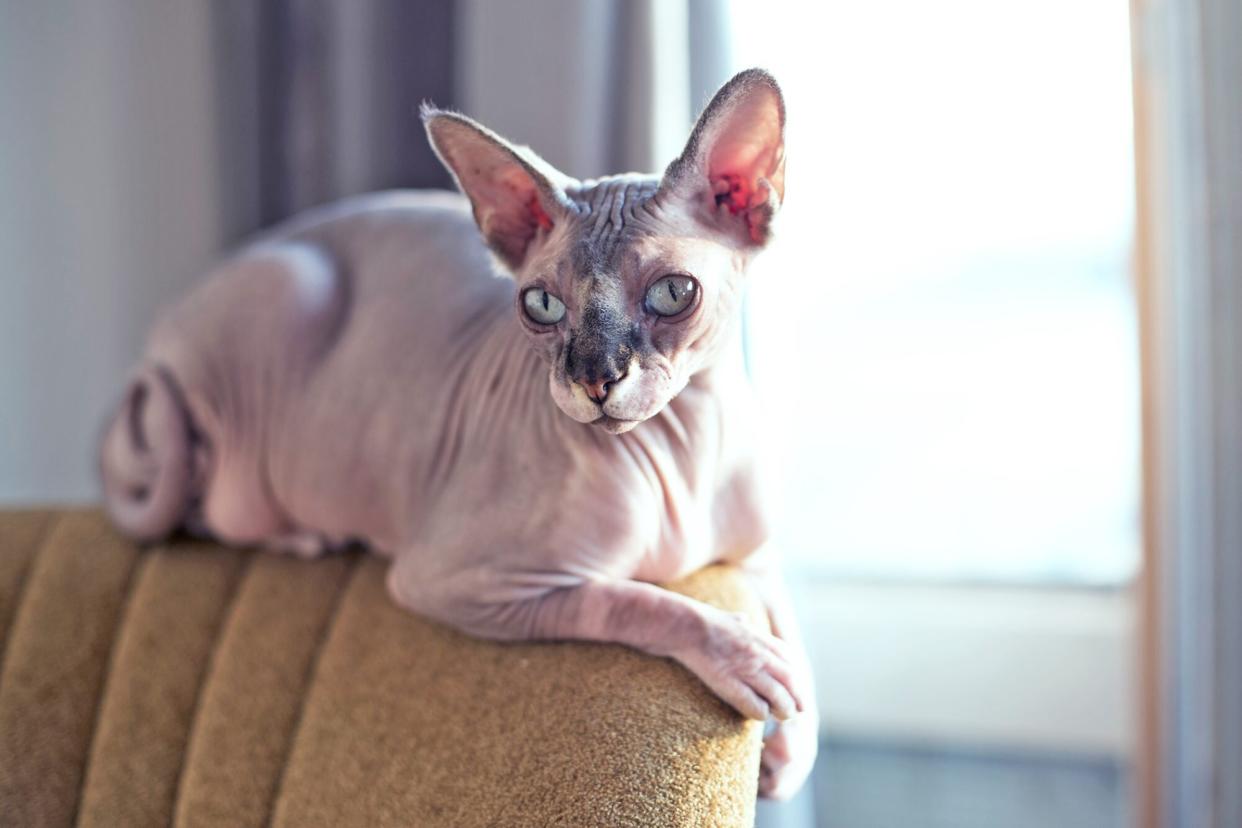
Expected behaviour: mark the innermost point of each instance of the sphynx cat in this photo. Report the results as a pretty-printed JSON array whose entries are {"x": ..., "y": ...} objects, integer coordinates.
[{"x": 533, "y": 451}]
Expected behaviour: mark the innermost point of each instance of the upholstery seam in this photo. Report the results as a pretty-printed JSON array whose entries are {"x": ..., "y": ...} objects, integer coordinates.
[
  {"x": 209, "y": 668},
  {"x": 142, "y": 557},
  {"x": 19, "y": 598},
  {"x": 312, "y": 669}
]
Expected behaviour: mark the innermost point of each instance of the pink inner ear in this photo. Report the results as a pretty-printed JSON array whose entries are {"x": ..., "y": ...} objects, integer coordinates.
[
  {"x": 538, "y": 213},
  {"x": 731, "y": 190},
  {"x": 745, "y": 195},
  {"x": 738, "y": 163},
  {"x": 747, "y": 149},
  {"x": 526, "y": 194},
  {"x": 746, "y": 170}
]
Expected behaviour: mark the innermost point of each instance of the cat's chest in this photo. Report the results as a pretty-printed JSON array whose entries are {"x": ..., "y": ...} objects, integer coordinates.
[
  {"x": 658, "y": 511},
  {"x": 702, "y": 526}
]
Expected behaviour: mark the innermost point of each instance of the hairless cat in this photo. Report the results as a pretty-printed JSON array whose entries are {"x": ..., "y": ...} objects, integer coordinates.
[{"x": 533, "y": 451}]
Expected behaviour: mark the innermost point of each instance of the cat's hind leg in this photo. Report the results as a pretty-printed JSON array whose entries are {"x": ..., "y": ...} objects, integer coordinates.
[
  {"x": 195, "y": 440},
  {"x": 260, "y": 328}
]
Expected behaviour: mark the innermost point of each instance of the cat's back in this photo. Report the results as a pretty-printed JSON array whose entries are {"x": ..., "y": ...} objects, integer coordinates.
[
  {"x": 413, "y": 276},
  {"x": 413, "y": 296},
  {"x": 354, "y": 288},
  {"x": 419, "y": 212},
  {"x": 399, "y": 243}
]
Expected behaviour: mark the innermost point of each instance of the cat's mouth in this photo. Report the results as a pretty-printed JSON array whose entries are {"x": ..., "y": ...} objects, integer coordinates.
[
  {"x": 572, "y": 399},
  {"x": 614, "y": 425}
]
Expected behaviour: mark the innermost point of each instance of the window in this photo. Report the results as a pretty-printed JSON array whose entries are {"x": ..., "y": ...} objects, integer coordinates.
[{"x": 943, "y": 334}]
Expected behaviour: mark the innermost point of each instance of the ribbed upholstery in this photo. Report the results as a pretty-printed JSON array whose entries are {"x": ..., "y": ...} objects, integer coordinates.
[{"x": 194, "y": 685}]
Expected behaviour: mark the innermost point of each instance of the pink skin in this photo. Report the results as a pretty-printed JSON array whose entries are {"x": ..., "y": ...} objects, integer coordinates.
[{"x": 362, "y": 373}]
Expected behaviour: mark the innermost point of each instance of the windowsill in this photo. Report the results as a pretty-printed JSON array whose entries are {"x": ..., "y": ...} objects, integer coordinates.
[{"x": 1008, "y": 667}]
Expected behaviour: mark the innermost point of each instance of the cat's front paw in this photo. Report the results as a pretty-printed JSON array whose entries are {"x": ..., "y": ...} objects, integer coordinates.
[
  {"x": 789, "y": 750},
  {"x": 750, "y": 669}
]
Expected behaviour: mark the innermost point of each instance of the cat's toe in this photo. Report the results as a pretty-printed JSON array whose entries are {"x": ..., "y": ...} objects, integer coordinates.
[{"x": 749, "y": 669}]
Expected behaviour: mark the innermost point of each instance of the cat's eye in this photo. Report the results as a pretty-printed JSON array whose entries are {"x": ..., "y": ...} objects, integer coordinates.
[
  {"x": 670, "y": 295},
  {"x": 542, "y": 306}
]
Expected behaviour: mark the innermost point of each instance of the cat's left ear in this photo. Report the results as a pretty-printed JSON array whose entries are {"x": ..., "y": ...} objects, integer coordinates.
[
  {"x": 732, "y": 171},
  {"x": 516, "y": 195}
]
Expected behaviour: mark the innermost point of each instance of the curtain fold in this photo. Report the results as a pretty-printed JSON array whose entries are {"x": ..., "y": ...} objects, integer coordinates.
[
  {"x": 318, "y": 100},
  {"x": 595, "y": 86}
]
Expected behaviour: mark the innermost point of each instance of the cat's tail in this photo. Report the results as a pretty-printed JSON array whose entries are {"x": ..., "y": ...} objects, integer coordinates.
[{"x": 145, "y": 457}]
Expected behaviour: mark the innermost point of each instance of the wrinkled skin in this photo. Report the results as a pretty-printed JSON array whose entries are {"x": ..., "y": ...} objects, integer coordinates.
[{"x": 362, "y": 373}]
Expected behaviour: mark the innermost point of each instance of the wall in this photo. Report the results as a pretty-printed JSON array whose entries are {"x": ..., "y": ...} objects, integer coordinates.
[{"x": 108, "y": 210}]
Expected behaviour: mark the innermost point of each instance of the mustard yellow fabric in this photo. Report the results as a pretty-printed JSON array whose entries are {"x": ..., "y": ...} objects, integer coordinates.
[{"x": 193, "y": 685}]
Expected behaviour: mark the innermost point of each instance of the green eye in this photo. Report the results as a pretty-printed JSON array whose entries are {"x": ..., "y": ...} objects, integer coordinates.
[
  {"x": 671, "y": 295},
  {"x": 542, "y": 306}
]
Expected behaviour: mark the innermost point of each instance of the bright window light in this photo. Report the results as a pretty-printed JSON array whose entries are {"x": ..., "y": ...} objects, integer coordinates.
[{"x": 943, "y": 335}]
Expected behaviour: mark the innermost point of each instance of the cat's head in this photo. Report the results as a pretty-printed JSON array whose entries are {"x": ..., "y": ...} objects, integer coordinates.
[{"x": 628, "y": 285}]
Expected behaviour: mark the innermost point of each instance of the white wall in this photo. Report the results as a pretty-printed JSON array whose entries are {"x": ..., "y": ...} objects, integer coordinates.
[{"x": 108, "y": 209}]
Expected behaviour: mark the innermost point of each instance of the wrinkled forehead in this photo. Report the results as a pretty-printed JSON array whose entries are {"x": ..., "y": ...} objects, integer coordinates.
[
  {"x": 643, "y": 251},
  {"x": 593, "y": 260},
  {"x": 614, "y": 219},
  {"x": 620, "y": 230}
]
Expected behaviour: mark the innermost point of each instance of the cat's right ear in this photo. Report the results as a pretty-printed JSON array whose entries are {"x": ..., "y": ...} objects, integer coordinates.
[
  {"x": 516, "y": 195},
  {"x": 732, "y": 171}
]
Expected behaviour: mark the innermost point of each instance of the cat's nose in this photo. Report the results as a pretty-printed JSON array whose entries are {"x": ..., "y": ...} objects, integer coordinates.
[
  {"x": 595, "y": 366},
  {"x": 597, "y": 389}
]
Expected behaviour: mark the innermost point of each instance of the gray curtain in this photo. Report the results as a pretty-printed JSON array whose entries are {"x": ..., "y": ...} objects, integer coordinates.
[
  {"x": 319, "y": 100},
  {"x": 595, "y": 86}
]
